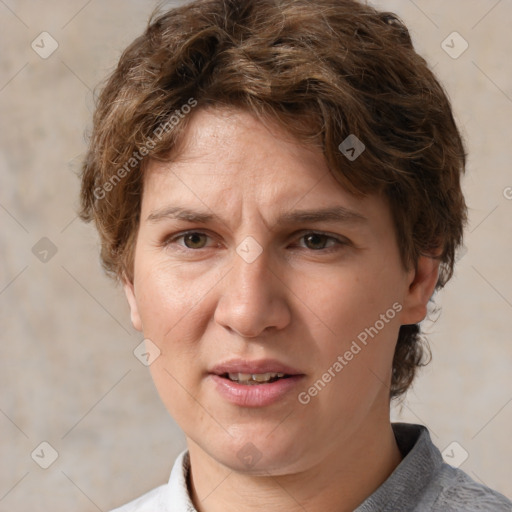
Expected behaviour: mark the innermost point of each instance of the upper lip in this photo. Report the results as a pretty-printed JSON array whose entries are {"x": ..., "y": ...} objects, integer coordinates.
[{"x": 253, "y": 367}]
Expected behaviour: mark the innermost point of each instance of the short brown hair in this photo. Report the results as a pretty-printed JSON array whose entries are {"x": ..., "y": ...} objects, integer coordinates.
[{"x": 323, "y": 70}]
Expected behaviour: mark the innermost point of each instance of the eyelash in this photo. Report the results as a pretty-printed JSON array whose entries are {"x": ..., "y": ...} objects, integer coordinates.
[{"x": 338, "y": 242}]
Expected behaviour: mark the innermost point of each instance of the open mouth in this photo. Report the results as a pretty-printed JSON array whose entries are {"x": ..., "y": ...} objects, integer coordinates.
[{"x": 251, "y": 379}]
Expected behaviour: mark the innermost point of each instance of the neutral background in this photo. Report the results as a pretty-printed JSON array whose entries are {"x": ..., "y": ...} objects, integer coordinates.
[{"x": 68, "y": 374}]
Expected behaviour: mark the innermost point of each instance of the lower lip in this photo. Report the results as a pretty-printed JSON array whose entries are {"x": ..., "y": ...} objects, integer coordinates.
[{"x": 255, "y": 395}]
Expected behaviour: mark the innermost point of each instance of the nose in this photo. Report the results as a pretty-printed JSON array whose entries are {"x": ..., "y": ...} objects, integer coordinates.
[{"x": 252, "y": 299}]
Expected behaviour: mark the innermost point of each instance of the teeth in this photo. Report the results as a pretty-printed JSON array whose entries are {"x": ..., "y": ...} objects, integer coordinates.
[{"x": 247, "y": 378}]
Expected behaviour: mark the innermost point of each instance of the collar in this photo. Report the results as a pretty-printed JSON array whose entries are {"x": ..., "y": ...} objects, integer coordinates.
[{"x": 402, "y": 489}]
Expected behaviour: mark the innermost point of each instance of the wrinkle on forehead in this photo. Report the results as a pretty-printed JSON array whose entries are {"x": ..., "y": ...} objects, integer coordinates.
[{"x": 219, "y": 127}]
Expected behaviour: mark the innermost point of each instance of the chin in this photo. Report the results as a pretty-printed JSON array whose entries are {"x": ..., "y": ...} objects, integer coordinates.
[{"x": 254, "y": 452}]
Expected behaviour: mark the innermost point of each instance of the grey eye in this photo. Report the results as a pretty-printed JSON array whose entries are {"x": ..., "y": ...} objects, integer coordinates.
[{"x": 195, "y": 240}]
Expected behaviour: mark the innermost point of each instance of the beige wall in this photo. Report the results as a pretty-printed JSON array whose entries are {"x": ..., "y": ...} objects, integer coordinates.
[{"x": 68, "y": 375}]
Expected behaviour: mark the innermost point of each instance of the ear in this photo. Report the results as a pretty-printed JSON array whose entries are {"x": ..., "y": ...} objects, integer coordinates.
[
  {"x": 422, "y": 282},
  {"x": 129, "y": 291}
]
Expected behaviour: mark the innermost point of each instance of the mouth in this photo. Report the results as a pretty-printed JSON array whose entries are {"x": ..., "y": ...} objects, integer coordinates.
[
  {"x": 262, "y": 371},
  {"x": 251, "y": 379},
  {"x": 256, "y": 383}
]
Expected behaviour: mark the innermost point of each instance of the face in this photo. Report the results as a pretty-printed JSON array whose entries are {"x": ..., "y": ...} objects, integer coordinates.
[{"x": 252, "y": 259}]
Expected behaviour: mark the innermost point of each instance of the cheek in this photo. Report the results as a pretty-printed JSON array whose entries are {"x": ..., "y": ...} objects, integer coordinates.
[
  {"x": 361, "y": 309},
  {"x": 348, "y": 301},
  {"x": 170, "y": 300},
  {"x": 174, "y": 314}
]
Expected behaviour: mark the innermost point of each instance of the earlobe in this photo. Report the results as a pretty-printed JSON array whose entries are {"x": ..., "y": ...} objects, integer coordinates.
[
  {"x": 422, "y": 284},
  {"x": 129, "y": 291}
]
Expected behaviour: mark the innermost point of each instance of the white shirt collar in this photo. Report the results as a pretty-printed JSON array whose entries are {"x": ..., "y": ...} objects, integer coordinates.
[
  {"x": 171, "y": 497},
  {"x": 177, "y": 495}
]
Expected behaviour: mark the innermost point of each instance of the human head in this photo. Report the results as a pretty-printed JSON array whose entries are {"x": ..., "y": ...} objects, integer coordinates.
[{"x": 323, "y": 70}]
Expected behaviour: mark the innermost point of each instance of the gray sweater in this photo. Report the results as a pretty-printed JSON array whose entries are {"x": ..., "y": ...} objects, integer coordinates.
[
  {"x": 421, "y": 482},
  {"x": 424, "y": 482}
]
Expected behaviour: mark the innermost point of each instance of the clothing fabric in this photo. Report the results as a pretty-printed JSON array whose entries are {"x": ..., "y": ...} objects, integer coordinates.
[{"x": 421, "y": 482}]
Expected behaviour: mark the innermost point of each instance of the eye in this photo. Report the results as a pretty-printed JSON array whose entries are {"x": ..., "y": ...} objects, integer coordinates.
[
  {"x": 320, "y": 241},
  {"x": 191, "y": 240},
  {"x": 313, "y": 241}
]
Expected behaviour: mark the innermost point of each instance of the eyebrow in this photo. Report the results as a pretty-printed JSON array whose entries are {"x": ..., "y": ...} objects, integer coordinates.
[{"x": 331, "y": 214}]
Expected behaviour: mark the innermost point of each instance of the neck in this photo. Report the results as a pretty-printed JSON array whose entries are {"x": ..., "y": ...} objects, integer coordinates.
[{"x": 349, "y": 474}]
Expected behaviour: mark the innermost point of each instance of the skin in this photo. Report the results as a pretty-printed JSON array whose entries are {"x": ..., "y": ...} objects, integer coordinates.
[{"x": 302, "y": 301}]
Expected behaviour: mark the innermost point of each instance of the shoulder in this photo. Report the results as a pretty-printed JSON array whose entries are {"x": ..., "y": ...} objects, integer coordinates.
[
  {"x": 425, "y": 482},
  {"x": 457, "y": 491},
  {"x": 149, "y": 502}
]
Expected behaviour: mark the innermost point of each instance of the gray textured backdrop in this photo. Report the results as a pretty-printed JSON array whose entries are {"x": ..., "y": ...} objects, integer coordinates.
[{"x": 68, "y": 375}]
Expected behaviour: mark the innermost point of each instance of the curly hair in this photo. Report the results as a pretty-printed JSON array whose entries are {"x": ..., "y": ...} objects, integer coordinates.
[{"x": 323, "y": 70}]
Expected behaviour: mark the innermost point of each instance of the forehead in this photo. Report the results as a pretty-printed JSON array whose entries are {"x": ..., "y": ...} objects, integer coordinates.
[
  {"x": 235, "y": 141},
  {"x": 229, "y": 159}
]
